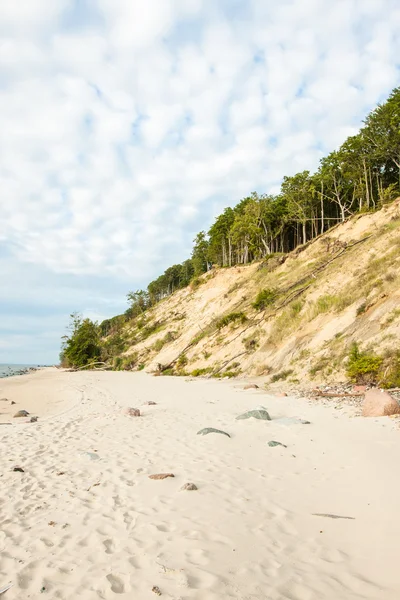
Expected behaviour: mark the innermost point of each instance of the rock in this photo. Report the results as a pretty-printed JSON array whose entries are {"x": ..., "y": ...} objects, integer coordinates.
[
  {"x": 150, "y": 403},
  {"x": 360, "y": 388},
  {"x": 207, "y": 430},
  {"x": 273, "y": 443},
  {"x": 257, "y": 413},
  {"x": 33, "y": 419},
  {"x": 21, "y": 413},
  {"x": 18, "y": 470},
  {"x": 281, "y": 395},
  {"x": 292, "y": 421},
  {"x": 161, "y": 476},
  {"x": 132, "y": 412},
  {"x": 3, "y": 399},
  {"x": 12, "y": 402},
  {"x": 189, "y": 486},
  {"x": 251, "y": 386},
  {"x": 91, "y": 455},
  {"x": 379, "y": 404},
  {"x": 156, "y": 590}
]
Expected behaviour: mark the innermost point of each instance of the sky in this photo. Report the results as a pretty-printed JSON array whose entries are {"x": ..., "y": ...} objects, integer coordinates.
[{"x": 126, "y": 126}]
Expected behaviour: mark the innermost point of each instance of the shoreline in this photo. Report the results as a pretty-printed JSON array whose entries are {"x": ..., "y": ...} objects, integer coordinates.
[{"x": 314, "y": 519}]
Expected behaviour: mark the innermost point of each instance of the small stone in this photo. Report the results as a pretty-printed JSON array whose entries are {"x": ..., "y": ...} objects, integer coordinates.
[
  {"x": 257, "y": 413},
  {"x": 360, "y": 388},
  {"x": 21, "y": 413},
  {"x": 273, "y": 443},
  {"x": 251, "y": 386},
  {"x": 91, "y": 455},
  {"x": 189, "y": 486},
  {"x": 132, "y": 412},
  {"x": 52, "y": 523},
  {"x": 281, "y": 395},
  {"x": 207, "y": 430},
  {"x": 18, "y": 470},
  {"x": 161, "y": 476},
  {"x": 150, "y": 403},
  {"x": 12, "y": 402},
  {"x": 33, "y": 419},
  {"x": 3, "y": 399},
  {"x": 291, "y": 421},
  {"x": 156, "y": 590}
]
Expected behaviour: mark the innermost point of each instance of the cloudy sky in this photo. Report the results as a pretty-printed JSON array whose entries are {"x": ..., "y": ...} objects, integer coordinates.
[{"x": 127, "y": 125}]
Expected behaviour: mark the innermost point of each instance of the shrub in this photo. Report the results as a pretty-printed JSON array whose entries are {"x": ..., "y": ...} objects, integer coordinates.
[
  {"x": 196, "y": 282},
  {"x": 281, "y": 375},
  {"x": 389, "y": 375},
  {"x": 251, "y": 343},
  {"x": 117, "y": 363},
  {"x": 168, "y": 372},
  {"x": 141, "y": 366},
  {"x": 168, "y": 338},
  {"x": 363, "y": 367},
  {"x": 230, "y": 374},
  {"x": 129, "y": 362},
  {"x": 199, "y": 372},
  {"x": 151, "y": 328},
  {"x": 182, "y": 361},
  {"x": 264, "y": 298},
  {"x": 361, "y": 309},
  {"x": 320, "y": 365},
  {"x": 231, "y": 318}
]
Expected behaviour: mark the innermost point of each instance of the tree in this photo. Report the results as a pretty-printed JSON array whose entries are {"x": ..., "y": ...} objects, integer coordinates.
[
  {"x": 82, "y": 345},
  {"x": 382, "y": 137},
  {"x": 200, "y": 254}
]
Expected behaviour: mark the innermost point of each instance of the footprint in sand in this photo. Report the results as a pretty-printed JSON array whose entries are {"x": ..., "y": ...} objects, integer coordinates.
[
  {"x": 109, "y": 546},
  {"x": 117, "y": 585}
]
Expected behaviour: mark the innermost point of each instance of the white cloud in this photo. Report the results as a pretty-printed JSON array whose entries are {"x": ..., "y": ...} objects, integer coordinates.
[{"x": 126, "y": 126}]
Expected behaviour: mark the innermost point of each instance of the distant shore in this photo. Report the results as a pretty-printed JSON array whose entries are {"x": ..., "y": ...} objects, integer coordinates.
[
  {"x": 10, "y": 370},
  {"x": 300, "y": 506}
]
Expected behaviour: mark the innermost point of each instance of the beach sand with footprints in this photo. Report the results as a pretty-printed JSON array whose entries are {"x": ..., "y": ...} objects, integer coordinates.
[{"x": 80, "y": 517}]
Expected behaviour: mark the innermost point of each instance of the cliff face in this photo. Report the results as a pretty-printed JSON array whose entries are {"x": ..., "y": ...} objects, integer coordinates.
[{"x": 342, "y": 287}]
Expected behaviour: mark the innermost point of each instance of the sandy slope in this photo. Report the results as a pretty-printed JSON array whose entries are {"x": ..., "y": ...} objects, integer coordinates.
[{"x": 87, "y": 529}]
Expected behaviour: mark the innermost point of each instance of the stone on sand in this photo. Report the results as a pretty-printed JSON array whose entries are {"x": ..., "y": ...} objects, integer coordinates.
[
  {"x": 258, "y": 413},
  {"x": 132, "y": 412},
  {"x": 207, "y": 430},
  {"x": 21, "y": 413},
  {"x": 189, "y": 486},
  {"x": 161, "y": 476},
  {"x": 251, "y": 386},
  {"x": 378, "y": 403}
]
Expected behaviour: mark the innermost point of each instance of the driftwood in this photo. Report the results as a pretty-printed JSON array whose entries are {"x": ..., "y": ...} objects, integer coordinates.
[
  {"x": 91, "y": 365},
  {"x": 341, "y": 395},
  {"x": 227, "y": 363}
]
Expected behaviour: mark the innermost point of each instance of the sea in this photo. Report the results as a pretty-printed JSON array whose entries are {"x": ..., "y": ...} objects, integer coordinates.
[{"x": 9, "y": 370}]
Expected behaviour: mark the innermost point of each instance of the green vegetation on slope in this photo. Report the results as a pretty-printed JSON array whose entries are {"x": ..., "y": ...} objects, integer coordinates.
[{"x": 361, "y": 176}]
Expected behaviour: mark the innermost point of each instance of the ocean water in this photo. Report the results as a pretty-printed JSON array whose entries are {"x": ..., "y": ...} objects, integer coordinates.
[{"x": 8, "y": 370}]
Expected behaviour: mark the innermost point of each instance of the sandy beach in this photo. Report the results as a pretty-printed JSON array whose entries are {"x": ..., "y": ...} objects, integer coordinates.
[{"x": 84, "y": 520}]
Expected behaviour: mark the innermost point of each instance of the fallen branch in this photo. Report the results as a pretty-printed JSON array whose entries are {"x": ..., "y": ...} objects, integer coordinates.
[
  {"x": 342, "y": 395},
  {"x": 227, "y": 363},
  {"x": 89, "y": 365}
]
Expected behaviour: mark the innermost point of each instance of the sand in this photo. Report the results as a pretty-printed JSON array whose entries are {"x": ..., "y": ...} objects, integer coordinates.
[{"x": 84, "y": 521}]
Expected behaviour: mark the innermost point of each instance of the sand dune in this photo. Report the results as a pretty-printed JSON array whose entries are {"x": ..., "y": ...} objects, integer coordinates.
[{"x": 84, "y": 521}]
